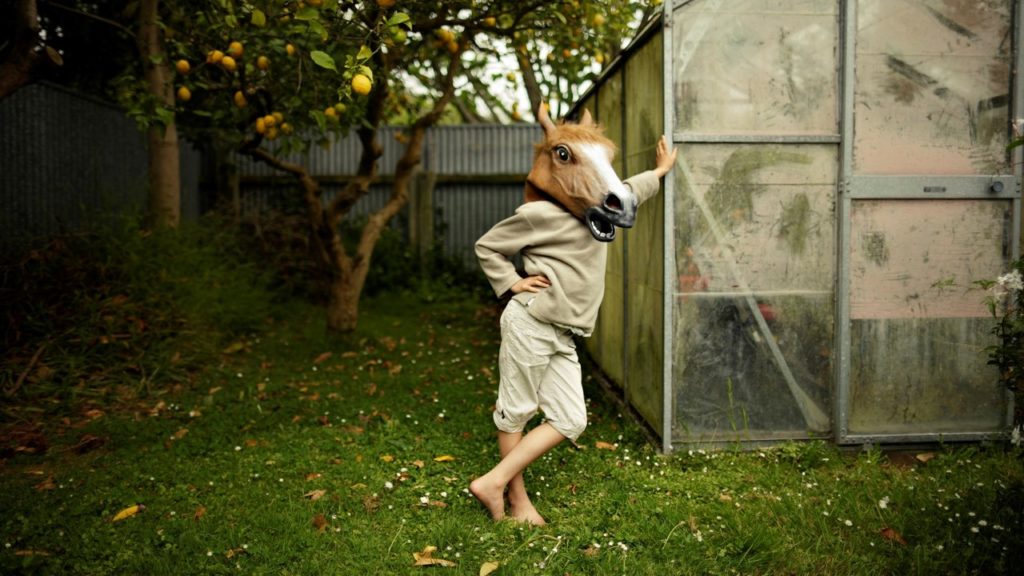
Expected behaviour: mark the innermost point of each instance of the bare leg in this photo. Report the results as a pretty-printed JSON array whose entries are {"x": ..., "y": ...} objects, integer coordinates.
[
  {"x": 520, "y": 506},
  {"x": 489, "y": 489}
]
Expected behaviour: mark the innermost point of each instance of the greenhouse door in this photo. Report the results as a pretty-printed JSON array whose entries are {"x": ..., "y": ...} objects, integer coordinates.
[{"x": 930, "y": 203}]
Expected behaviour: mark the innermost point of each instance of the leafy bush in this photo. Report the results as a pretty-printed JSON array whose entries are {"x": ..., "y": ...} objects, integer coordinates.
[{"x": 1006, "y": 304}]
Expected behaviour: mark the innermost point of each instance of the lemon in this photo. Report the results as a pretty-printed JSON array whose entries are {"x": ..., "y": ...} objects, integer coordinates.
[
  {"x": 184, "y": 94},
  {"x": 278, "y": 117},
  {"x": 340, "y": 108},
  {"x": 235, "y": 49},
  {"x": 214, "y": 56},
  {"x": 272, "y": 133},
  {"x": 240, "y": 99},
  {"x": 261, "y": 126},
  {"x": 286, "y": 128},
  {"x": 361, "y": 84},
  {"x": 269, "y": 120},
  {"x": 330, "y": 113},
  {"x": 228, "y": 63},
  {"x": 182, "y": 66},
  {"x": 597, "y": 20},
  {"x": 290, "y": 50},
  {"x": 490, "y": 21}
]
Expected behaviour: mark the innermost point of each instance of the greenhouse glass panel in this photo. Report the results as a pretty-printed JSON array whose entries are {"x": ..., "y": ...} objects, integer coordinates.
[
  {"x": 918, "y": 325},
  {"x": 756, "y": 66},
  {"x": 645, "y": 246},
  {"x": 932, "y": 81},
  {"x": 753, "y": 320}
]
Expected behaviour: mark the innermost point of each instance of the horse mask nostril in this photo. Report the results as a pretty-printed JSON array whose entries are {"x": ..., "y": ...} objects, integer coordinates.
[{"x": 613, "y": 203}]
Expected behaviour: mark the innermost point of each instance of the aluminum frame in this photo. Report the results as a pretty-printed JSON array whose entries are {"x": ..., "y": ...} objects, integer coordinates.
[{"x": 859, "y": 187}]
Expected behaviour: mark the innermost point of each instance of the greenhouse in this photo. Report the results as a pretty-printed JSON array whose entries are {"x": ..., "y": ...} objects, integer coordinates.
[{"x": 843, "y": 181}]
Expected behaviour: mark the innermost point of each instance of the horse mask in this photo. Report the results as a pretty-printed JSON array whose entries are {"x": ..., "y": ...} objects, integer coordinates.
[{"x": 573, "y": 167}]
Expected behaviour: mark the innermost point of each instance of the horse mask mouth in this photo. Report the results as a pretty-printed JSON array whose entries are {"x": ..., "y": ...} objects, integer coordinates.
[{"x": 603, "y": 220}]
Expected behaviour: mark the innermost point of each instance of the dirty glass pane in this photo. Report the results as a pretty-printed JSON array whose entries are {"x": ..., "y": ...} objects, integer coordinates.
[
  {"x": 756, "y": 66},
  {"x": 931, "y": 90},
  {"x": 645, "y": 241},
  {"x": 918, "y": 326},
  {"x": 607, "y": 345},
  {"x": 754, "y": 247}
]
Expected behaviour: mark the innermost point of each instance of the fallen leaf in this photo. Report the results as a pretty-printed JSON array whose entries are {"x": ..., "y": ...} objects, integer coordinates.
[
  {"x": 352, "y": 429},
  {"x": 425, "y": 557},
  {"x": 488, "y": 567},
  {"x": 371, "y": 390},
  {"x": 94, "y": 414},
  {"x": 438, "y": 504},
  {"x": 890, "y": 534},
  {"x": 387, "y": 458},
  {"x": 88, "y": 443},
  {"x": 444, "y": 458},
  {"x": 315, "y": 494},
  {"x": 47, "y": 484},
  {"x": 350, "y": 354},
  {"x": 214, "y": 390},
  {"x": 313, "y": 476},
  {"x": 418, "y": 463},
  {"x": 604, "y": 445},
  {"x": 723, "y": 497},
  {"x": 128, "y": 512},
  {"x": 31, "y": 553},
  {"x": 235, "y": 552},
  {"x": 200, "y": 512},
  {"x": 324, "y": 420},
  {"x": 251, "y": 443},
  {"x": 925, "y": 456},
  {"x": 371, "y": 503},
  {"x": 319, "y": 522},
  {"x": 180, "y": 433},
  {"x": 322, "y": 357},
  {"x": 590, "y": 551},
  {"x": 233, "y": 347},
  {"x": 155, "y": 410},
  {"x": 396, "y": 369}
]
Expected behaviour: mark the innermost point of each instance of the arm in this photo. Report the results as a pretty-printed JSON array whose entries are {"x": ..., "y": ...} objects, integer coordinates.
[
  {"x": 646, "y": 184},
  {"x": 495, "y": 250}
]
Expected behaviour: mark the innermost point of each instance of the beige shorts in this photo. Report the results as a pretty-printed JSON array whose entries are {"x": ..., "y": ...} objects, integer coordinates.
[{"x": 539, "y": 371}]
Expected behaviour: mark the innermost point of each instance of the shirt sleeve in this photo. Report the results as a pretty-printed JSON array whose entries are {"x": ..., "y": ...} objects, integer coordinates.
[
  {"x": 645, "y": 185},
  {"x": 496, "y": 248}
]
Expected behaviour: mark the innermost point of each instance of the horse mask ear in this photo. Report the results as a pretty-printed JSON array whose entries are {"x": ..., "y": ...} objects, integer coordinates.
[
  {"x": 544, "y": 119},
  {"x": 586, "y": 119}
]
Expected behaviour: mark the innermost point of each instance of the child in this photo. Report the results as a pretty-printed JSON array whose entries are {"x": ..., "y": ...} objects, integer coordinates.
[{"x": 564, "y": 260}]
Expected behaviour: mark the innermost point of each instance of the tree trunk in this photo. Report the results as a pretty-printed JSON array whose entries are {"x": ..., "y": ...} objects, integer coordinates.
[
  {"x": 19, "y": 65},
  {"x": 164, "y": 155},
  {"x": 343, "y": 304}
]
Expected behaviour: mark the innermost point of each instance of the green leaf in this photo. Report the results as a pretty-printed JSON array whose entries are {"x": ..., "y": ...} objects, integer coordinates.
[
  {"x": 398, "y": 18},
  {"x": 307, "y": 13},
  {"x": 323, "y": 60},
  {"x": 317, "y": 28},
  {"x": 259, "y": 19},
  {"x": 364, "y": 53},
  {"x": 366, "y": 71}
]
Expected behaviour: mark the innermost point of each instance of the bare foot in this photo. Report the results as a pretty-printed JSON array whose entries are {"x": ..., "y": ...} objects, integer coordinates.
[
  {"x": 492, "y": 497},
  {"x": 526, "y": 513}
]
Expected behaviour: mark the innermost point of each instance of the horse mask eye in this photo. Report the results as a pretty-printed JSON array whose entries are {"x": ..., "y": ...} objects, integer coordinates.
[{"x": 563, "y": 153}]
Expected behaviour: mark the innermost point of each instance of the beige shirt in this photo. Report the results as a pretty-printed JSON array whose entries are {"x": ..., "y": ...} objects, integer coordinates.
[{"x": 557, "y": 245}]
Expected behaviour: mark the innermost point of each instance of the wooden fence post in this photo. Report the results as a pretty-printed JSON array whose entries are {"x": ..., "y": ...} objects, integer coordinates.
[{"x": 421, "y": 217}]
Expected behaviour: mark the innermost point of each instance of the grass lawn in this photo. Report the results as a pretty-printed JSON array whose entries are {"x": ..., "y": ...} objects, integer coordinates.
[{"x": 299, "y": 453}]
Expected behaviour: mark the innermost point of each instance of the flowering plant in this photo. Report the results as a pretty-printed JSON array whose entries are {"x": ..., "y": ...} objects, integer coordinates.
[{"x": 1006, "y": 304}]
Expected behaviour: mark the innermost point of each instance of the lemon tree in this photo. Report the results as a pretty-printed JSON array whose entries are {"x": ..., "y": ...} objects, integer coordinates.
[{"x": 270, "y": 78}]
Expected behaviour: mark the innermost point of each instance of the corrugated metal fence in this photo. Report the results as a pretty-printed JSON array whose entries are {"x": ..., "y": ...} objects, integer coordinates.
[
  {"x": 65, "y": 158},
  {"x": 480, "y": 174}
]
